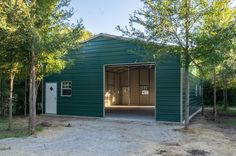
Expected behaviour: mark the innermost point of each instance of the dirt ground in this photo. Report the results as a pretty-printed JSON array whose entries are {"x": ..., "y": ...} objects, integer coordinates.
[{"x": 104, "y": 137}]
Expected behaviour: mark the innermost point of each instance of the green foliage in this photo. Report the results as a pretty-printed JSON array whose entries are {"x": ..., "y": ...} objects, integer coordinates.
[
  {"x": 85, "y": 35},
  {"x": 227, "y": 69},
  {"x": 171, "y": 24},
  {"x": 52, "y": 35},
  {"x": 231, "y": 110},
  {"x": 231, "y": 122},
  {"x": 208, "y": 94},
  {"x": 11, "y": 41},
  {"x": 215, "y": 41},
  {"x": 41, "y": 26},
  {"x": 215, "y": 48},
  {"x": 205, "y": 28},
  {"x": 26, "y": 23}
]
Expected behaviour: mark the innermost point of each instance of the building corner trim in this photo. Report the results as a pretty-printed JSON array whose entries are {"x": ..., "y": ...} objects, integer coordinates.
[{"x": 181, "y": 94}]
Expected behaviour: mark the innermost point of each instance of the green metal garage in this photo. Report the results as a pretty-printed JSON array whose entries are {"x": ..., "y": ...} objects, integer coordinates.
[{"x": 114, "y": 74}]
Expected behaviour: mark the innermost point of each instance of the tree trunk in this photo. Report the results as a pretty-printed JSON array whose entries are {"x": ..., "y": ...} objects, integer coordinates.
[
  {"x": 225, "y": 92},
  {"x": 37, "y": 87},
  {"x": 25, "y": 100},
  {"x": 38, "y": 83},
  {"x": 12, "y": 76},
  {"x": 32, "y": 96},
  {"x": 1, "y": 102},
  {"x": 214, "y": 83},
  {"x": 186, "y": 74},
  {"x": 30, "y": 100},
  {"x": 2, "y": 96},
  {"x": 187, "y": 61},
  {"x": 202, "y": 99}
]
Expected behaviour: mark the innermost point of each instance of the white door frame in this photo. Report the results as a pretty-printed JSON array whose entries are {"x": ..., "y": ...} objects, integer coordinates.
[{"x": 46, "y": 96}]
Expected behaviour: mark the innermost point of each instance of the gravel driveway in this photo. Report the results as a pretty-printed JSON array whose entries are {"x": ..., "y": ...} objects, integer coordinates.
[{"x": 103, "y": 137}]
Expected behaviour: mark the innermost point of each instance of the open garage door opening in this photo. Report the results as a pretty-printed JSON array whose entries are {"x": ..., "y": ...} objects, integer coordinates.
[{"x": 129, "y": 91}]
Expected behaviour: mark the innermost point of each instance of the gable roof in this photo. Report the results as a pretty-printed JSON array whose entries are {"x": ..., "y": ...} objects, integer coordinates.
[{"x": 106, "y": 35}]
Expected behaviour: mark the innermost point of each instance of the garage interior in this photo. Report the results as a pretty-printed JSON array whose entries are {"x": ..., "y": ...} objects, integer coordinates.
[{"x": 130, "y": 91}]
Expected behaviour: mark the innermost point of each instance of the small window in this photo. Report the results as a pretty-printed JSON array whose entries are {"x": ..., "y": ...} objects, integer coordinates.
[
  {"x": 196, "y": 90},
  {"x": 66, "y": 88}
]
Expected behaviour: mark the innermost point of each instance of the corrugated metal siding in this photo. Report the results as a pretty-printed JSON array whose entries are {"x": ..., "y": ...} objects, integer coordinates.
[
  {"x": 87, "y": 78},
  {"x": 168, "y": 90},
  {"x": 194, "y": 101}
]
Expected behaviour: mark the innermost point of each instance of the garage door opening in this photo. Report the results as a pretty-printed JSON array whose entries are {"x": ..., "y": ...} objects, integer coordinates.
[{"x": 130, "y": 91}]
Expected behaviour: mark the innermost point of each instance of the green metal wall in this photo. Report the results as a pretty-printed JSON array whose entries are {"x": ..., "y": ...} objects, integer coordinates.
[
  {"x": 195, "y": 102},
  {"x": 168, "y": 90},
  {"x": 87, "y": 78}
]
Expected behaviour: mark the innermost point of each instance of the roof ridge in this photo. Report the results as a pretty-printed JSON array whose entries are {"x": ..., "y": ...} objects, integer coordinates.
[{"x": 106, "y": 35}]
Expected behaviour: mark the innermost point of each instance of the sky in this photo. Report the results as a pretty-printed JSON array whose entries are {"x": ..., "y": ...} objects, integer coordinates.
[{"x": 102, "y": 16}]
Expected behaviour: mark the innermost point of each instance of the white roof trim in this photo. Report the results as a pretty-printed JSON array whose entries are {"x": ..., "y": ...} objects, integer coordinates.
[{"x": 106, "y": 35}]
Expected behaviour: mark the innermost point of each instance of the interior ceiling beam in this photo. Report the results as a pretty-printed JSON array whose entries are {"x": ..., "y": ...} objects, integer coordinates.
[
  {"x": 130, "y": 65},
  {"x": 124, "y": 67}
]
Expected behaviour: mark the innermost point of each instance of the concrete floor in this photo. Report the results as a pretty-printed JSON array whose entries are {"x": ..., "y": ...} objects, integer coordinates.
[{"x": 131, "y": 112}]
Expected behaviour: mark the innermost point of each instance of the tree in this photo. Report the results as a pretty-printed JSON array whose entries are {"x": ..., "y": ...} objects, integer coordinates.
[
  {"x": 216, "y": 39},
  {"x": 10, "y": 45},
  {"x": 51, "y": 38},
  {"x": 168, "y": 23},
  {"x": 41, "y": 40},
  {"x": 227, "y": 71}
]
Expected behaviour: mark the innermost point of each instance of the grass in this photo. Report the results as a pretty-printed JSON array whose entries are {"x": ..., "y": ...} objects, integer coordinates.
[
  {"x": 227, "y": 117},
  {"x": 15, "y": 134},
  {"x": 230, "y": 110},
  {"x": 39, "y": 128},
  {"x": 20, "y": 128},
  {"x": 231, "y": 122}
]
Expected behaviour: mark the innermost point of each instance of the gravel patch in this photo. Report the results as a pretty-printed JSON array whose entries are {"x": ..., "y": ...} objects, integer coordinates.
[
  {"x": 101, "y": 137},
  {"x": 91, "y": 137}
]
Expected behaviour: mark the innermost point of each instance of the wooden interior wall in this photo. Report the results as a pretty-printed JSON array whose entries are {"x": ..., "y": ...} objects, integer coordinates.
[
  {"x": 112, "y": 88},
  {"x": 144, "y": 83},
  {"x": 152, "y": 87},
  {"x": 126, "y": 88},
  {"x": 117, "y": 89},
  {"x": 134, "y": 87}
]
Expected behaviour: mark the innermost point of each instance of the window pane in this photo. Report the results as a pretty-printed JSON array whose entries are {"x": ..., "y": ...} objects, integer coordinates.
[
  {"x": 66, "y": 88},
  {"x": 66, "y": 92}
]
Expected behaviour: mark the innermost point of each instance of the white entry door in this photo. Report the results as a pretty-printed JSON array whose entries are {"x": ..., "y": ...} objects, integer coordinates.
[{"x": 51, "y": 98}]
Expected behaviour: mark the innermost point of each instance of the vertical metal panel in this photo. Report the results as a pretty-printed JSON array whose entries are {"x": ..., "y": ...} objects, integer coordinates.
[{"x": 168, "y": 89}]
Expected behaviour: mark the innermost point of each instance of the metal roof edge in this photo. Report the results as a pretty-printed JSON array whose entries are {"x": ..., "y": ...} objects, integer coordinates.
[{"x": 106, "y": 35}]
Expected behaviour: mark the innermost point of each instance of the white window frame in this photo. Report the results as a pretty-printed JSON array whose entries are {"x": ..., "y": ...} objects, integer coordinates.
[
  {"x": 66, "y": 88},
  {"x": 196, "y": 90}
]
